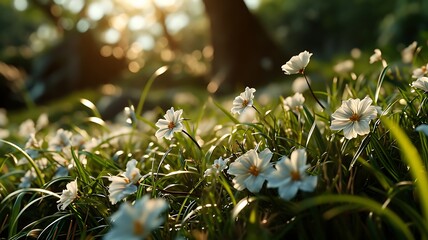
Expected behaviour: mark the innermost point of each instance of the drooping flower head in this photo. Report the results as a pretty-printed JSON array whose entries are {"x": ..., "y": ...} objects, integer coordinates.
[
  {"x": 135, "y": 222},
  {"x": 376, "y": 57},
  {"x": 354, "y": 117},
  {"x": 124, "y": 185},
  {"x": 421, "y": 83},
  {"x": 251, "y": 170},
  {"x": 243, "y": 101},
  {"x": 290, "y": 175},
  {"x": 294, "y": 103},
  {"x": 218, "y": 166},
  {"x": 68, "y": 195},
  {"x": 171, "y": 124},
  {"x": 297, "y": 64}
]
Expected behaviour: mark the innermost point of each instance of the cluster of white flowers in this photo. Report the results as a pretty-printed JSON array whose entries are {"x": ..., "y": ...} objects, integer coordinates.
[{"x": 251, "y": 170}]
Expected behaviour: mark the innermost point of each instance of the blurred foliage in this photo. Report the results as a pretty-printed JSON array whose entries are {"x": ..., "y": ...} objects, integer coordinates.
[{"x": 332, "y": 27}]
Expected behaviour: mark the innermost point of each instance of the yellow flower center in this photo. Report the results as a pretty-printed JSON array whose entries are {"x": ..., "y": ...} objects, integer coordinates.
[
  {"x": 295, "y": 175},
  {"x": 245, "y": 103},
  {"x": 253, "y": 171},
  {"x": 171, "y": 125},
  {"x": 138, "y": 228},
  {"x": 355, "y": 117}
]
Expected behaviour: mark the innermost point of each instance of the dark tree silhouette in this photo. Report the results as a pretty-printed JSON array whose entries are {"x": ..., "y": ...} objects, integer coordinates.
[{"x": 244, "y": 54}]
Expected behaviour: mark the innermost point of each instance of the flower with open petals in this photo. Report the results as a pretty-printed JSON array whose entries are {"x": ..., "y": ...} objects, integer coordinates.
[
  {"x": 218, "y": 166},
  {"x": 297, "y": 64},
  {"x": 171, "y": 124},
  {"x": 124, "y": 185},
  {"x": 68, "y": 195},
  {"x": 421, "y": 83},
  {"x": 251, "y": 170},
  {"x": 136, "y": 222},
  {"x": 290, "y": 175},
  {"x": 354, "y": 117},
  {"x": 294, "y": 103},
  {"x": 243, "y": 101},
  {"x": 420, "y": 72}
]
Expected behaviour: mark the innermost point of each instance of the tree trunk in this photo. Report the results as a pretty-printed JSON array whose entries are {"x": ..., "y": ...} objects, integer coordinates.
[{"x": 244, "y": 54}]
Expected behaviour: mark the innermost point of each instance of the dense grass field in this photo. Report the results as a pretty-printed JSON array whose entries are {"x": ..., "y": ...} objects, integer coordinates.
[{"x": 346, "y": 162}]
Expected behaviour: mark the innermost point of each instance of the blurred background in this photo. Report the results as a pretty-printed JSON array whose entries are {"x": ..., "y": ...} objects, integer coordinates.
[{"x": 50, "y": 49}]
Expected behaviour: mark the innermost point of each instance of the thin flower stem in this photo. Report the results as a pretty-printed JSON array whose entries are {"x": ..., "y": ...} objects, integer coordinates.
[
  {"x": 312, "y": 92},
  {"x": 192, "y": 139}
]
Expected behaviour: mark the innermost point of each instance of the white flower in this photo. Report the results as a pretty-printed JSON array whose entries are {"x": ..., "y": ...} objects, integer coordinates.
[
  {"x": 26, "y": 128},
  {"x": 169, "y": 125},
  {"x": 421, "y": 83},
  {"x": 300, "y": 85},
  {"x": 130, "y": 115},
  {"x": 61, "y": 140},
  {"x": 138, "y": 221},
  {"x": 68, "y": 195},
  {"x": 251, "y": 170},
  {"x": 28, "y": 177},
  {"x": 344, "y": 66},
  {"x": 377, "y": 56},
  {"x": 124, "y": 185},
  {"x": 297, "y": 64},
  {"x": 294, "y": 103},
  {"x": 243, "y": 101},
  {"x": 132, "y": 172},
  {"x": 218, "y": 166},
  {"x": 354, "y": 117},
  {"x": 408, "y": 52},
  {"x": 420, "y": 72},
  {"x": 422, "y": 128},
  {"x": 290, "y": 175}
]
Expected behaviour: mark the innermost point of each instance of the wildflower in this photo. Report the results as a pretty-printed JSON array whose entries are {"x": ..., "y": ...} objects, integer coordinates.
[
  {"x": 243, "y": 101},
  {"x": 300, "y": 85},
  {"x": 377, "y": 56},
  {"x": 421, "y": 83},
  {"x": 422, "y": 128},
  {"x": 294, "y": 103},
  {"x": 290, "y": 175},
  {"x": 129, "y": 112},
  {"x": 408, "y": 52},
  {"x": 251, "y": 170},
  {"x": 135, "y": 222},
  {"x": 344, "y": 67},
  {"x": 68, "y": 195},
  {"x": 124, "y": 185},
  {"x": 354, "y": 117},
  {"x": 61, "y": 140},
  {"x": 297, "y": 64},
  {"x": 420, "y": 72},
  {"x": 169, "y": 125},
  {"x": 28, "y": 177},
  {"x": 218, "y": 166}
]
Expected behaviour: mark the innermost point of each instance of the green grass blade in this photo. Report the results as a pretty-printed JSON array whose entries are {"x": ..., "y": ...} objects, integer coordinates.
[
  {"x": 411, "y": 156},
  {"x": 146, "y": 89},
  {"x": 364, "y": 203},
  {"x": 30, "y": 160},
  {"x": 379, "y": 83}
]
